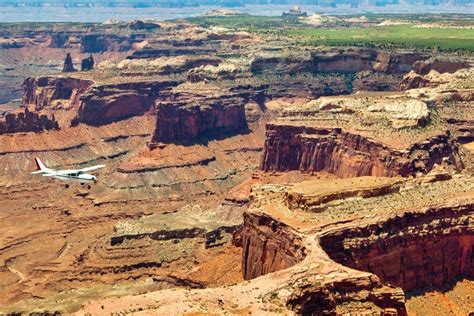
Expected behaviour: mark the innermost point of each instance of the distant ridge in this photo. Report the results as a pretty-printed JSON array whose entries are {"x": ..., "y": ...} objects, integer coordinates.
[{"x": 223, "y": 3}]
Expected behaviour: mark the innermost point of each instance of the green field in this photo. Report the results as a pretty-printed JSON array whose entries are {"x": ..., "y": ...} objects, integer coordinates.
[
  {"x": 244, "y": 22},
  {"x": 395, "y": 36},
  {"x": 403, "y": 36}
]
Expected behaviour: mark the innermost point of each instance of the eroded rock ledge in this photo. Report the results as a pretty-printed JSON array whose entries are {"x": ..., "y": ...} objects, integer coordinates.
[
  {"x": 268, "y": 246},
  {"x": 360, "y": 261},
  {"x": 350, "y": 155},
  {"x": 413, "y": 251},
  {"x": 108, "y": 103}
]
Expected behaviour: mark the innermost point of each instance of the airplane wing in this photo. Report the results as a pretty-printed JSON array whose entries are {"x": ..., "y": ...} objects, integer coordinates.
[
  {"x": 37, "y": 172},
  {"x": 49, "y": 175},
  {"x": 90, "y": 168}
]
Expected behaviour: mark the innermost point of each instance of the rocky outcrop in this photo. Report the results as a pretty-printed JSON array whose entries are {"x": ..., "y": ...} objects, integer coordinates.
[
  {"x": 87, "y": 63},
  {"x": 414, "y": 251},
  {"x": 396, "y": 63},
  {"x": 59, "y": 40},
  {"x": 99, "y": 43},
  {"x": 423, "y": 67},
  {"x": 268, "y": 246},
  {"x": 143, "y": 25},
  {"x": 95, "y": 42},
  {"x": 68, "y": 65},
  {"x": 329, "y": 299},
  {"x": 345, "y": 61},
  {"x": 312, "y": 195},
  {"x": 339, "y": 61},
  {"x": 109, "y": 103},
  {"x": 147, "y": 53},
  {"x": 190, "y": 117},
  {"x": 432, "y": 73},
  {"x": 27, "y": 122},
  {"x": 281, "y": 64},
  {"x": 209, "y": 118},
  {"x": 43, "y": 91},
  {"x": 164, "y": 65},
  {"x": 347, "y": 155},
  {"x": 413, "y": 81}
]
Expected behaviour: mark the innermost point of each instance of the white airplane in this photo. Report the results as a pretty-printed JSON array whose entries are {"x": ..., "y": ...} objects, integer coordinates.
[{"x": 74, "y": 174}]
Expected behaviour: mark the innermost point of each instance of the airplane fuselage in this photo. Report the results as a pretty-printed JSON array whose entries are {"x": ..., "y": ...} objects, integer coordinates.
[
  {"x": 81, "y": 178},
  {"x": 79, "y": 175}
]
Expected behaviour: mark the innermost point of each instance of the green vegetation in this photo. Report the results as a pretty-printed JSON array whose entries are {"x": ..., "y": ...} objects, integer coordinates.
[
  {"x": 245, "y": 22},
  {"x": 445, "y": 34},
  {"x": 403, "y": 36}
]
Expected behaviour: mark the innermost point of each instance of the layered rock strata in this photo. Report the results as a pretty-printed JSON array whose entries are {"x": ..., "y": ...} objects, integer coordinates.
[
  {"x": 413, "y": 251},
  {"x": 305, "y": 262},
  {"x": 360, "y": 135},
  {"x": 268, "y": 246},
  {"x": 108, "y": 103},
  {"x": 185, "y": 122},
  {"x": 188, "y": 118},
  {"x": 347, "y": 155},
  {"x": 338, "y": 61},
  {"x": 26, "y": 122},
  {"x": 43, "y": 91}
]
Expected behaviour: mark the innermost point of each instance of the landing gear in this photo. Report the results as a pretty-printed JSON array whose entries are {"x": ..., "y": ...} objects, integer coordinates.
[
  {"x": 67, "y": 186},
  {"x": 82, "y": 183},
  {"x": 88, "y": 187}
]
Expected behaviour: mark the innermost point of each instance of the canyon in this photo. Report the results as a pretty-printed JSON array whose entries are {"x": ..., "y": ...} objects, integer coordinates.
[{"x": 242, "y": 176}]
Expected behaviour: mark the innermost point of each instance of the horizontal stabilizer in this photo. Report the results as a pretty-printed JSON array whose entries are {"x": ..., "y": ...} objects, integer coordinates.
[
  {"x": 37, "y": 172},
  {"x": 48, "y": 175}
]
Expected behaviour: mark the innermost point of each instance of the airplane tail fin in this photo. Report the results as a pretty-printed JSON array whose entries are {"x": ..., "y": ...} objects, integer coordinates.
[{"x": 40, "y": 166}]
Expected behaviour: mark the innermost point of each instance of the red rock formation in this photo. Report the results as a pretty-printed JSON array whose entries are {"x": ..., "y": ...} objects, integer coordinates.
[
  {"x": 143, "y": 25},
  {"x": 423, "y": 67},
  {"x": 347, "y": 155},
  {"x": 41, "y": 91},
  {"x": 396, "y": 63},
  {"x": 68, "y": 65},
  {"x": 98, "y": 43},
  {"x": 268, "y": 246},
  {"x": 280, "y": 65},
  {"x": 184, "y": 122},
  {"x": 188, "y": 117},
  {"x": 26, "y": 122},
  {"x": 170, "y": 51},
  {"x": 413, "y": 81},
  {"x": 325, "y": 300},
  {"x": 350, "y": 60},
  {"x": 108, "y": 103},
  {"x": 413, "y": 251}
]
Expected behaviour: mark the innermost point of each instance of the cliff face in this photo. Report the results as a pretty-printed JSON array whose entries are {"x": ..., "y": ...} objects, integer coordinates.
[
  {"x": 108, "y": 103},
  {"x": 329, "y": 299},
  {"x": 338, "y": 61},
  {"x": 343, "y": 61},
  {"x": 268, "y": 246},
  {"x": 170, "y": 51},
  {"x": 413, "y": 251},
  {"x": 188, "y": 117},
  {"x": 41, "y": 91},
  {"x": 423, "y": 67},
  {"x": 348, "y": 155},
  {"x": 426, "y": 73},
  {"x": 27, "y": 122},
  {"x": 94, "y": 43},
  {"x": 184, "y": 122},
  {"x": 396, "y": 63}
]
